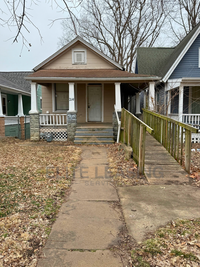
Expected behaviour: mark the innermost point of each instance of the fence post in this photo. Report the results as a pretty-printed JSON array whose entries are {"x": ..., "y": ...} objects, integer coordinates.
[
  {"x": 187, "y": 150},
  {"x": 142, "y": 148}
]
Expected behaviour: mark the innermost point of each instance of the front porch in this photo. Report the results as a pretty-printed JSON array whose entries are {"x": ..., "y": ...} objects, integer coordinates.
[{"x": 67, "y": 106}]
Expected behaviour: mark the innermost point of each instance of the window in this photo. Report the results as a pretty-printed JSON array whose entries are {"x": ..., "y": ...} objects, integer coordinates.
[
  {"x": 78, "y": 57},
  {"x": 61, "y": 96},
  {"x": 4, "y": 104}
]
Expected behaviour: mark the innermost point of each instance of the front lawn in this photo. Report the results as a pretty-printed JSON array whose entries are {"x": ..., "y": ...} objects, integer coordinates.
[{"x": 34, "y": 180}]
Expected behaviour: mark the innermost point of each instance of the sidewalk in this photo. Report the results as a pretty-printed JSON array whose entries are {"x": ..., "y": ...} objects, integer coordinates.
[{"x": 87, "y": 224}]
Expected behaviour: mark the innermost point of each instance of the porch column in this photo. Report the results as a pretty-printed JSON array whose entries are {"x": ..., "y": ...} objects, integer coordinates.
[
  {"x": 118, "y": 97},
  {"x": 152, "y": 96},
  {"x": 71, "y": 98},
  {"x": 138, "y": 103},
  {"x": 1, "y": 107},
  {"x": 20, "y": 106},
  {"x": 180, "y": 110},
  {"x": 169, "y": 103},
  {"x": 34, "y": 115},
  {"x": 71, "y": 115},
  {"x": 190, "y": 101},
  {"x": 34, "y": 109}
]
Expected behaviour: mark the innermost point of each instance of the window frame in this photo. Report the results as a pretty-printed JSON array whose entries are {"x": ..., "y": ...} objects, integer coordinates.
[
  {"x": 55, "y": 100},
  {"x": 83, "y": 51}
]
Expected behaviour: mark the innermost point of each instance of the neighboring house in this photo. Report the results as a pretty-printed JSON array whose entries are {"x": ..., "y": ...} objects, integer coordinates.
[
  {"x": 15, "y": 103},
  {"x": 80, "y": 86},
  {"x": 177, "y": 94}
]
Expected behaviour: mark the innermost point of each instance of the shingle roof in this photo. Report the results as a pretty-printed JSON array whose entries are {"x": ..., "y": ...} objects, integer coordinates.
[
  {"x": 85, "y": 73},
  {"x": 15, "y": 80},
  {"x": 150, "y": 60},
  {"x": 159, "y": 60}
]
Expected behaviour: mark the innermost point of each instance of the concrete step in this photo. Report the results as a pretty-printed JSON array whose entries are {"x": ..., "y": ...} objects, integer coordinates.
[
  {"x": 90, "y": 142},
  {"x": 94, "y": 135}
]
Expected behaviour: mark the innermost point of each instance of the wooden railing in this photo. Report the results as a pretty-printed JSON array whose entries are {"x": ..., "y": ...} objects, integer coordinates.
[
  {"x": 192, "y": 119},
  {"x": 53, "y": 119},
  {"x": 118, "y": 124},
  {"x": 170, "y": 133},
  {"x": 133, "y": 133}
]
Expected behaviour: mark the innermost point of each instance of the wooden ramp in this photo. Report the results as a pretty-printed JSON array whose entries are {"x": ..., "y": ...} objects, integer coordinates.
[{"x": 160, "y": 166}]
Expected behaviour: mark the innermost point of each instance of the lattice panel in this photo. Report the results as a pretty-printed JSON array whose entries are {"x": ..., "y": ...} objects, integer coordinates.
[
  {"x": 59, "y": 134},
  {"x": 195, "y": 138}
]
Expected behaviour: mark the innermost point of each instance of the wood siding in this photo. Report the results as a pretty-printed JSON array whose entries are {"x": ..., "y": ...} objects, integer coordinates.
[
  {"x": 47, "y": 98},
  {"x": 81, "y": 103},
  {"x": 109, "y": 101},
  {"x": 189, "y": 65},
  {"x": 94, "y": 61}
]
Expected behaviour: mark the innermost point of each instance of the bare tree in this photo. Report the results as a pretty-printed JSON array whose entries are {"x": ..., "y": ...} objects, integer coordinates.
[
  {"x": 16, "y": 15},
  {"x": 184, "y": 16},
  {"x": 117, "y": 27}
]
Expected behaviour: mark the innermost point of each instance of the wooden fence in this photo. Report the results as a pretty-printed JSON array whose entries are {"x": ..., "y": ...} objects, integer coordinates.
[
  {"x": 133, "y": 133},
  {"x": 170, "y": 134}
]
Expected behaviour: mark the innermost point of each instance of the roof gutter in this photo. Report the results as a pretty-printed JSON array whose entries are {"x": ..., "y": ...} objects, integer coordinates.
[{"x": 13, "y": 90}]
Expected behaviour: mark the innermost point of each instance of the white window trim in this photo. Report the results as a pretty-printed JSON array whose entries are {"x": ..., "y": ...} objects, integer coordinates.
[
  {"x": 81, "y": 51},
  {"x": 4, "y": 96}
]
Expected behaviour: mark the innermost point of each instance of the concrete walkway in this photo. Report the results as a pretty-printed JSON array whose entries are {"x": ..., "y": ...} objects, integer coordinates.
[
  {"x": 88, "y": 224},
  {"x": 160, "y": 166}
]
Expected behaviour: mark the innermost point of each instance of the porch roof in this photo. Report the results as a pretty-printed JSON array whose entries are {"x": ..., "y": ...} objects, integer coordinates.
[{"x": 89, "y": 75}]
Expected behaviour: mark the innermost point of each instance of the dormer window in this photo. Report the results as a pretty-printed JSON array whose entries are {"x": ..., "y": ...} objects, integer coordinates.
[{"x": 78, "y": 57}]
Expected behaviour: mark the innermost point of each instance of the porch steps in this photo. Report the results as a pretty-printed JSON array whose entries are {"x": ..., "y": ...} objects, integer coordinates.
[{"x": 94, "y": 135}]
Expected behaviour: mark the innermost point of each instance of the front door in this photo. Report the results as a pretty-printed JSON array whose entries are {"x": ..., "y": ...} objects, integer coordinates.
[{"x": 94, "y": 102}]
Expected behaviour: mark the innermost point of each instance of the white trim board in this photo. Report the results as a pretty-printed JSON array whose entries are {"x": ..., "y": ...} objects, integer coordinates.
[{"x": 181, "y": 55}]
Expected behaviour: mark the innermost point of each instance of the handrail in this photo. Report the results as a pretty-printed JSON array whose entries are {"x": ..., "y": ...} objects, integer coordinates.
[
  {"x": 119, "y": 124},
  {"x": 149, "y": 129},
  {"x": 53, "y": 119},
  {"x": 170, "y": 133},
  {"x": 133, "y": 133},
  {"x": 184, "y": 125}
]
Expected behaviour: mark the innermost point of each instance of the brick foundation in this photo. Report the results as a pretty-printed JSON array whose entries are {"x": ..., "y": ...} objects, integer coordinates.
[{"x": 22, "y": 128}]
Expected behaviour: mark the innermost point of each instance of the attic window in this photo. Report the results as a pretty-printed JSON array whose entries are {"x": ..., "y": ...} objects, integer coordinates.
[{"x": 78, "y": 57}]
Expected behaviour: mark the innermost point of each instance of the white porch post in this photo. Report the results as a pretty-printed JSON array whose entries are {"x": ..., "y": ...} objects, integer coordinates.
[
  {"x": 118, "y": 97},
  {"x": 152, "y": 95},
  {"x": 190, "y": 101},
  {"x": 71, "y": 98},
  {"x": 180, "y": 110},
  {"x": 34, "y": 109},
  {"x": 169, "y": 102},
  {"x": 138, "y": 103},
  {"x": 20, "y": 106},
  {"x": 1, "y": 108}
]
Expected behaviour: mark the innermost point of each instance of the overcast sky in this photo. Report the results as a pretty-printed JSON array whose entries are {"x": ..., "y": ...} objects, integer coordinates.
[{"x": 10, "y": 59}]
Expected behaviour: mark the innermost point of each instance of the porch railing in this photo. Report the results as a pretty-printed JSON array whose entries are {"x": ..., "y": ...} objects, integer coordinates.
[
  {"x": 11, "y": 120},
  {"x": 133, "y": 133},
  {"x": 118, "y": 123},
  {"x": 192, "y": 119},
  {"x": 53, "y": 119},
  {"x": 169, "y": 133}
]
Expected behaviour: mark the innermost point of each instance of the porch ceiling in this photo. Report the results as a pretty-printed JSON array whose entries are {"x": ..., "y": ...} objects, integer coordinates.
[{"x": 87, "y": 75}]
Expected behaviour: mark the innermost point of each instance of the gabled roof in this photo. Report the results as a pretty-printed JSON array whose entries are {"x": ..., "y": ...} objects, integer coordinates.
[
  {"x": 164, "y": 60},
  {"x": 15, "y": 81},
  {"x": 64, "y": 48}
]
